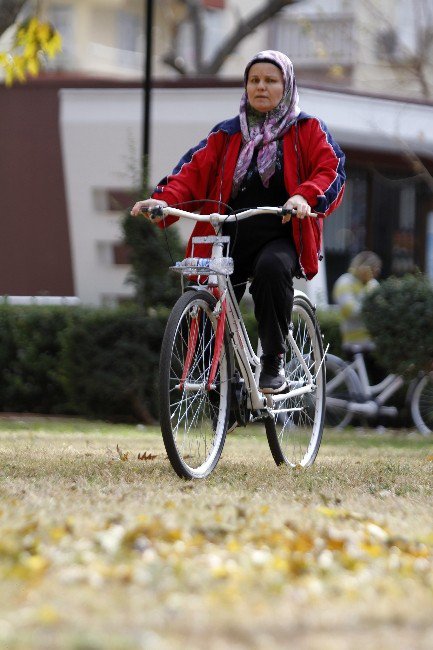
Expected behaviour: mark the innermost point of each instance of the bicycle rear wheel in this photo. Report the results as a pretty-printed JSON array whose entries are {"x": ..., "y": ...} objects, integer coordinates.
[
  {"x": 295, "y": 432},
  {"x": 421, "y": 404},
  {"x": 193, "y": 419},
  {"x": 340, "y": 390}
]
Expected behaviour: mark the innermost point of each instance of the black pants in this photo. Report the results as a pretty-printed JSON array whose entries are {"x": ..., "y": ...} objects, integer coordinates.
[{"x": 271, "y": 268}]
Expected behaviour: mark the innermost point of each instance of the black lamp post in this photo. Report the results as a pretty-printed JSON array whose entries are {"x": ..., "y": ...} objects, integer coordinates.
[{"x": 147, "y": 88}]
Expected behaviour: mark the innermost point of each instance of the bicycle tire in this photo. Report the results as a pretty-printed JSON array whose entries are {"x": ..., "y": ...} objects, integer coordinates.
[
  {"x": 421, "y": 404},
  {"x": 341, "y": 388},
  {"x": 294, "y": 436},
  {"x": 193, "y": 422}
]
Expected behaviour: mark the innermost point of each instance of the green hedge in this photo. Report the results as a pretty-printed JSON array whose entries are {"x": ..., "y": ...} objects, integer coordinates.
[
  {"x": 109, "y": 363},
  {"x": 100, "y": 363},
  {"x": 30, "y": 349},
  {"x": 91, "y": 362}
]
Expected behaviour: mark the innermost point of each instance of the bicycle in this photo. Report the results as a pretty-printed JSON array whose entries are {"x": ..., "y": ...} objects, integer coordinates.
[
  {"x": 349, "y": 392},
  {"x": 208, "y": 368}
]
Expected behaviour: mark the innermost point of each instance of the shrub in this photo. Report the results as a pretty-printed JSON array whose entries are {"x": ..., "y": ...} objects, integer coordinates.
[
  {"x": 399, "y": 316},
  {"x": 8, "y": 351},
  {"x": 29, "y": 355},
  {"x": 110, "y": 362},
  {"x": 91, "y": 362}
]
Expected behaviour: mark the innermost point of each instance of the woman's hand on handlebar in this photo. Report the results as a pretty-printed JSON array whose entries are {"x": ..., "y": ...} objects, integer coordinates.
[
  {"x": 142, "y": 207},
  {"x": 298, "y": 203}
]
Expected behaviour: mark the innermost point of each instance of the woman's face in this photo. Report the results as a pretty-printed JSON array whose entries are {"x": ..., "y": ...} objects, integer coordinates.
[{"x": 265, "y": 86}]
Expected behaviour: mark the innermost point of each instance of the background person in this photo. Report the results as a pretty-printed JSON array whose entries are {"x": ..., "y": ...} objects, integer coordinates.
[
  {"x": 349, "y": 292},
  {"x": 270, "y": 154}
]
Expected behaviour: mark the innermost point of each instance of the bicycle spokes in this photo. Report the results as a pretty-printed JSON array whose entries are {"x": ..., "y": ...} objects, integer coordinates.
[
  {"x": 294, "y": 433},
  {"x": 191, "y": 346},
  {"x": 194, "y": 418}
]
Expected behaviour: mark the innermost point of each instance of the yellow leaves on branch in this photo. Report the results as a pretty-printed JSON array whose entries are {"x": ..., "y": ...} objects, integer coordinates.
[{"x": 34, "y": 41}]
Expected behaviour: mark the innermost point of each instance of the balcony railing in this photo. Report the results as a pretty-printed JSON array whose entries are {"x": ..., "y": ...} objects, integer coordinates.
[{"x": 316, "y": 40}]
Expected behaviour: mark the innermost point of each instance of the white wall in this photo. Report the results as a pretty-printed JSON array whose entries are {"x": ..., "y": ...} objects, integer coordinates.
[{"x": 97, "y": 129}]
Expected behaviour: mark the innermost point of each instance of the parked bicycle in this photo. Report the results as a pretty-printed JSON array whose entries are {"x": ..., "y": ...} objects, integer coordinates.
[
  {"x": 209, "y": 372},
  {"x": 350, "y": 394}
]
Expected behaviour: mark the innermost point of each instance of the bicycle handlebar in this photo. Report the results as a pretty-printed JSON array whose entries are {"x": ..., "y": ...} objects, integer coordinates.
[{"x": 216, "y": 217}]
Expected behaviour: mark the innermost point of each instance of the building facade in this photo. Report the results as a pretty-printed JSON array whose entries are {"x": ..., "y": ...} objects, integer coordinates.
[
  {"x": 372, "y": 46},
  {"x": 72, "y": 142},
  {"x": 70, "y": 166}
]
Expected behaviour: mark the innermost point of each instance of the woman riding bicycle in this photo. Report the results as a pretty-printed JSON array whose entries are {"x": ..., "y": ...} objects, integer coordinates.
[{"x": 270, "y": 154}]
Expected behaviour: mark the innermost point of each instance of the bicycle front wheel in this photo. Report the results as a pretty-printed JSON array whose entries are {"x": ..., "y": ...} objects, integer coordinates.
[
  {"x": 193, "y": 418},
  {"x": 295, "y": 431},
  {"x": 421, "y": 404}
]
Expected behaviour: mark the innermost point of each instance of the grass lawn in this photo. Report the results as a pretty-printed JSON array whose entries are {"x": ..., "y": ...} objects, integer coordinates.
[{"x": 102, "y": 547}]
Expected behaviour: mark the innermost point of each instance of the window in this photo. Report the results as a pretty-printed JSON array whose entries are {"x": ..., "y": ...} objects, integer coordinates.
[
  {"x": 404, "y": 233},
  {"x": 344, "y": 233},
  {"x": 109, "y": 253},
  {"x": 112, "y": 199},
  {"x": 345, "y": 230},
  {"x": 319, "y": 35}
]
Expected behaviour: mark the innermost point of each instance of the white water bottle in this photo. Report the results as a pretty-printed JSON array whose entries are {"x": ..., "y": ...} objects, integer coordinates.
[
  {"x": 222, "y": 265},
  {"x": 218, "y": 265}
]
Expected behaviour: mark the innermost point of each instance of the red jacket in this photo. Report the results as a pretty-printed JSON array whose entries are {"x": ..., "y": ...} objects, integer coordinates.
[{"x": 313, "y": 168}]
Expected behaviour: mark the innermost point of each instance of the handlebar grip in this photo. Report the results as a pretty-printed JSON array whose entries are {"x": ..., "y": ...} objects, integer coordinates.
[
  {"x": 292, "y": 211},
  {"x": 156, "y": 211},
  {"x": 153, "y": 212}
]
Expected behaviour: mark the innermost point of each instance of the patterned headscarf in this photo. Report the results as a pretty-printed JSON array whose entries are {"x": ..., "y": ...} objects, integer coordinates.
[{"x": 262, "y": 130}]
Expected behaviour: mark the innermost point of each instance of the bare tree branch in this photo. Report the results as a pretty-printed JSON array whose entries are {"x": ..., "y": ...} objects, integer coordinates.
[
  {"x": 196, "y": 13},
  {"x": 193, "y": 13},
  {"x": 243, "y": 28},
  {"x": 9, "y": 10},
  {"x": 415, "y": 162},
  {"x": 414, "y": 60}
]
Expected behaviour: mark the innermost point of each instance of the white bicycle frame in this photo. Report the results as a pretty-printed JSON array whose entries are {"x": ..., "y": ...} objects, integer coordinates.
[
  {"x": 375, "y": 395},
  {"x": 381, "y": 391},
  {"x": 246, "y": 358}
]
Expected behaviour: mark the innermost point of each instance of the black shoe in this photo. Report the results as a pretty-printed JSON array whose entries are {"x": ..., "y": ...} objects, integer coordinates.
[{"x": 272, "y": 377}]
